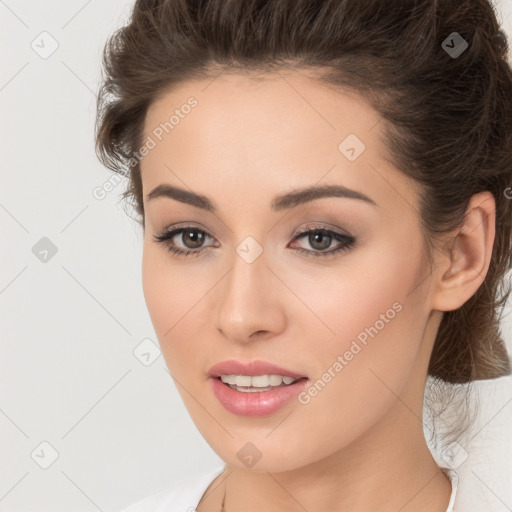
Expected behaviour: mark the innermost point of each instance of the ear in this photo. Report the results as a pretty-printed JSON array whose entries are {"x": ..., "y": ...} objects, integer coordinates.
[{"x": 463, "y": 265}]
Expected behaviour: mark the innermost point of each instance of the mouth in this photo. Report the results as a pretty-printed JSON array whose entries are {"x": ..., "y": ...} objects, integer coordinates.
[
  {"x": 259, "y": 383},
  {"x": 256, "y": 400},
  {"x": 254, "y": 388}
]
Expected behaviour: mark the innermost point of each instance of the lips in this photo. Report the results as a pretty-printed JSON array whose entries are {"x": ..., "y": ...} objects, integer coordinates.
[
  {"x": 234, "y": 367},
  {"x": 260, "y": 403}
]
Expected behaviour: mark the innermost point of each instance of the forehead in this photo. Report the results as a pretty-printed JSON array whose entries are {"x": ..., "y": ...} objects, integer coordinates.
[
  {"x": 238, "y": 105},
  {"x": 275, "y": 131}
]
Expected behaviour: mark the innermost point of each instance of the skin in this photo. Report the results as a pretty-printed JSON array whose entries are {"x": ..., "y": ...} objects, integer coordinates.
[{"x": 359, "y": 444}]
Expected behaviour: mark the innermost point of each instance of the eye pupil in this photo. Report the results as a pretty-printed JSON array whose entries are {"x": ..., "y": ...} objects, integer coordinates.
[
  {"x": 195, "y": 236},
  {"x": 323, "y": 239}
]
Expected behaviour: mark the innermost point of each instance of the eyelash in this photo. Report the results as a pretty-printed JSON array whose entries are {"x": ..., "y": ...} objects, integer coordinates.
[{"x": 346, "y": 241}]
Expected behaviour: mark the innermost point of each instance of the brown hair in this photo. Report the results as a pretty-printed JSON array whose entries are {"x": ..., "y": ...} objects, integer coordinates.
[{"x": 448, "y": 117}]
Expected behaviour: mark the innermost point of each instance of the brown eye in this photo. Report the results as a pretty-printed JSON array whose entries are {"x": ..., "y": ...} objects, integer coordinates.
[
  {"x": 319, "y": 240},
  {"x": 192, "y": 238}
]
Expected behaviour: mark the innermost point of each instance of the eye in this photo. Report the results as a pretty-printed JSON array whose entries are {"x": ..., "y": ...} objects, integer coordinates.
[
  {"x": 192, "y": 238},
  {"x": 321, "y": 238}
]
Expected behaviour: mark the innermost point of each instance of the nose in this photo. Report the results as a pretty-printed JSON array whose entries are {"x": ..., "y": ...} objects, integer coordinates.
[{"x": 250, "y": 303}]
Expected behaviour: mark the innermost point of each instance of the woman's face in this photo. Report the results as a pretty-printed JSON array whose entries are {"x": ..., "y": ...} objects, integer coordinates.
[{"x": 355, "y": 322}]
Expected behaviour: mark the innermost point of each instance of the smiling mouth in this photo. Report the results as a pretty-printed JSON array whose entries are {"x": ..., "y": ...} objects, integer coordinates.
[{"x": 259, "y": 389}]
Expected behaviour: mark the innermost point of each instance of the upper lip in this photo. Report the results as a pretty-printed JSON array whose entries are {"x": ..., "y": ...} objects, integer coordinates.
[{"x": 233, "y": 367}]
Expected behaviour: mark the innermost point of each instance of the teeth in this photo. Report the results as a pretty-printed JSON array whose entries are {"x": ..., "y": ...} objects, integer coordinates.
[{"x": 257, "y": 381}]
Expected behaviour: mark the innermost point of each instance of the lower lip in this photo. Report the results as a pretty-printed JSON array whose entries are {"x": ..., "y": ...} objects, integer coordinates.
[{"x": 257, "y": 403}]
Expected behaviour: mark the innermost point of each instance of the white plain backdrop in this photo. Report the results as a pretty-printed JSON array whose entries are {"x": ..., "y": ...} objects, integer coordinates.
[{"x": 87, "y": 422}]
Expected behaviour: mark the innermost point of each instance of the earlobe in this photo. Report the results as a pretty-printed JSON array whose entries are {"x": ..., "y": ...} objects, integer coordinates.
[{"x": 469, "y": 255}]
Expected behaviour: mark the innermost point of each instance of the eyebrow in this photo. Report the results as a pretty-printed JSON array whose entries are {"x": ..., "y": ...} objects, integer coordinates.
[{"x": 279, "y": 203}]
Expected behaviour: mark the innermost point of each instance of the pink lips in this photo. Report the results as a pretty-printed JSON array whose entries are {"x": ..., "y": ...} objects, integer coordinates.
[{"x": 258, "y": 403}]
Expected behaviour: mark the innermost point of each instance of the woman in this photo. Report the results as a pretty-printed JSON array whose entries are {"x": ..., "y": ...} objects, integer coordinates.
[{"x": 322, "y": 188}]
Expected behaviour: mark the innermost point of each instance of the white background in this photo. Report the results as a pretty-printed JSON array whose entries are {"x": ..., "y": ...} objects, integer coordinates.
[{"x": 68, "y": 373}]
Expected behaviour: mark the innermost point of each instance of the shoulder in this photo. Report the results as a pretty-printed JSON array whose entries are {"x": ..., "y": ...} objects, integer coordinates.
[{"x": 182, "y": 495}]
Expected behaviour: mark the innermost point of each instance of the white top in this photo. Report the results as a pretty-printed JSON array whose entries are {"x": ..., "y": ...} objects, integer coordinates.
[{"x": 185, "y": 494}]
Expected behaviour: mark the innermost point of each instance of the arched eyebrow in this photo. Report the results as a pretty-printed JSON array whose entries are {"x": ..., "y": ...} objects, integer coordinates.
[{"x": 279, "y": 203}]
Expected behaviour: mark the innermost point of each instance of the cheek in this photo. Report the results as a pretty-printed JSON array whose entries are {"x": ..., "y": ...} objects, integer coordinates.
[
  {"x": 168, "y": 287},
  {"x": 155, "y": 284},
  {"x": 361, "y": 325},
  {"x": 174, "y": 298},
  {"x": 355, "y": 298}
]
